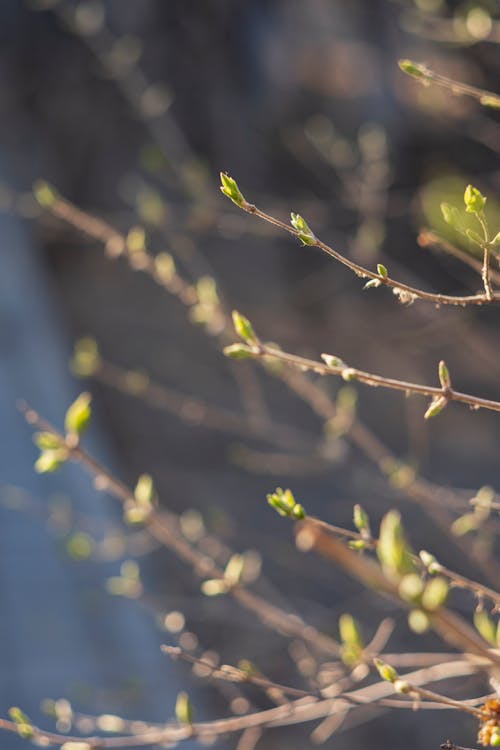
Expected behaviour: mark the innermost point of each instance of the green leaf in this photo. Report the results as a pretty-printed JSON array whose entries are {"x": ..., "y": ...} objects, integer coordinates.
[
  {"x": 244, "y": 328},
  {"x": 435, "y": 407},
  {"x": 361, "y": 520},
  {"x": 392, "y": 548},
  {"x": 51, "y": 460},
  {"x": 372, "y": 284},
  {"x": 386, "y": 671},
  {"x": 416, "y": 70},
  {"x": 305, "y": 233},
  {"x": 238, "y": 351},
  {"x": 382, "y": 270},
  {"x": 485, "y": 626},
  {"x": 444, "y": 375},
  {"x": 474, "y": 200},
  {"x": 283, "y": 501},
  {"x": 47, "y": 441},
  {"x": 231, "y": 189},
  {"x": 78, "y": 415}
]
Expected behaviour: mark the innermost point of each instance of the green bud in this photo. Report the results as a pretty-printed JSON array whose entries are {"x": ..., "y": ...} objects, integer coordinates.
[
  {"x": 144, "y": 491},
  {"x": 357, "y": 544},
  {"x": 298, "y": 512},
  {"x": 136, "y": 240},
  {"x": 386, "y": 672},
  {"x": 418, "y": 621},
  {"x": 234, "y": 570},
  {"x": 372, "y": 284},
  {"x": 361, "y": 520},
  {"x": 410, "y": 588},
  {"x": 285, "y": 504},
  {"x": 485, "y": 626},
  {"x": 490, "y": 101},
  {"x": 184, "y": 709},
  {"x": 403, "y": 687},
  {"x": 244, "y": 328},
  {"x": 392, "y": 549},
  {"x": 305, "y": 233},
  {"x": 416, "y": 70},
  {"x": 231, "y": 189},
  {"x": 435, "y": 407},
  {"x": 465, "y": 524},
  {"x": 348, "y": 374},
  {"x": 350, "y": 632},
  {"x": 474, "y": 200},
  {"x": 430, "y": 562},
  {"x": 382, "y": 270},
  {"x": 331, "y": 360},
  {"x": 238, "y": 351},
  {"x": 47, "y": 441},
  {"x": 44, "y": 193},
  {"x": 85, "y": 361},
  {"x": 165, "y": 266},
  {"x": 78, "y": 416},
  {"x": 495, "y": 735},
  {"x": 215, "y": 587},
  {"x": 22, "y": 722},
  {"x": 80, "y": 546},
  {"x": 444, "y": 375},
  {"x": 435, "y": 594},
  {"x": 50, "y": 460}
]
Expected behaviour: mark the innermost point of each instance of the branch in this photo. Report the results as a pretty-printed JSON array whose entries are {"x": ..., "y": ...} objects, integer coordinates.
[
  {"x": 333, "y": 366},
  {"x": 405, "y": 292}
]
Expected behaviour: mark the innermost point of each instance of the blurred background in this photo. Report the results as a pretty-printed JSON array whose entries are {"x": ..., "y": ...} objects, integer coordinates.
[{"x": 130, "y": 110}]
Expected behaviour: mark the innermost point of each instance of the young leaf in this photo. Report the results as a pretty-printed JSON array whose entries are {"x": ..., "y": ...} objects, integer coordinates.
[
  {"x": 444, "y": 375},
  {"x": 474, "y": 200},
  {"x": 305, "y": 233},
  {"x": 231, "y": 190},
  {"x": 78, "y": 415},
  {"x": 238, "y": 351},
  {"x": 244, "y": 328}
]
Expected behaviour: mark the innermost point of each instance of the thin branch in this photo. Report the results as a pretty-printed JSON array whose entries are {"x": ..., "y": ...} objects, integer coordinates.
[
  {"x": 428, "y": 238},
  {"x": 164, "y": 528},
  {"x": 427, "y": 76},
  {"x": 352, "y": 374},
  {"x": 453, "y": 629},
  {"x": 299, "y": 711},
  {"x": 405, "y": 292}
]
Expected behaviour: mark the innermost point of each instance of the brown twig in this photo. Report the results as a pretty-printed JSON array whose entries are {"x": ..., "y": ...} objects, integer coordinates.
[
  {"x": 405, "y": 292},
  {"x": 164, "y": 528}
]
